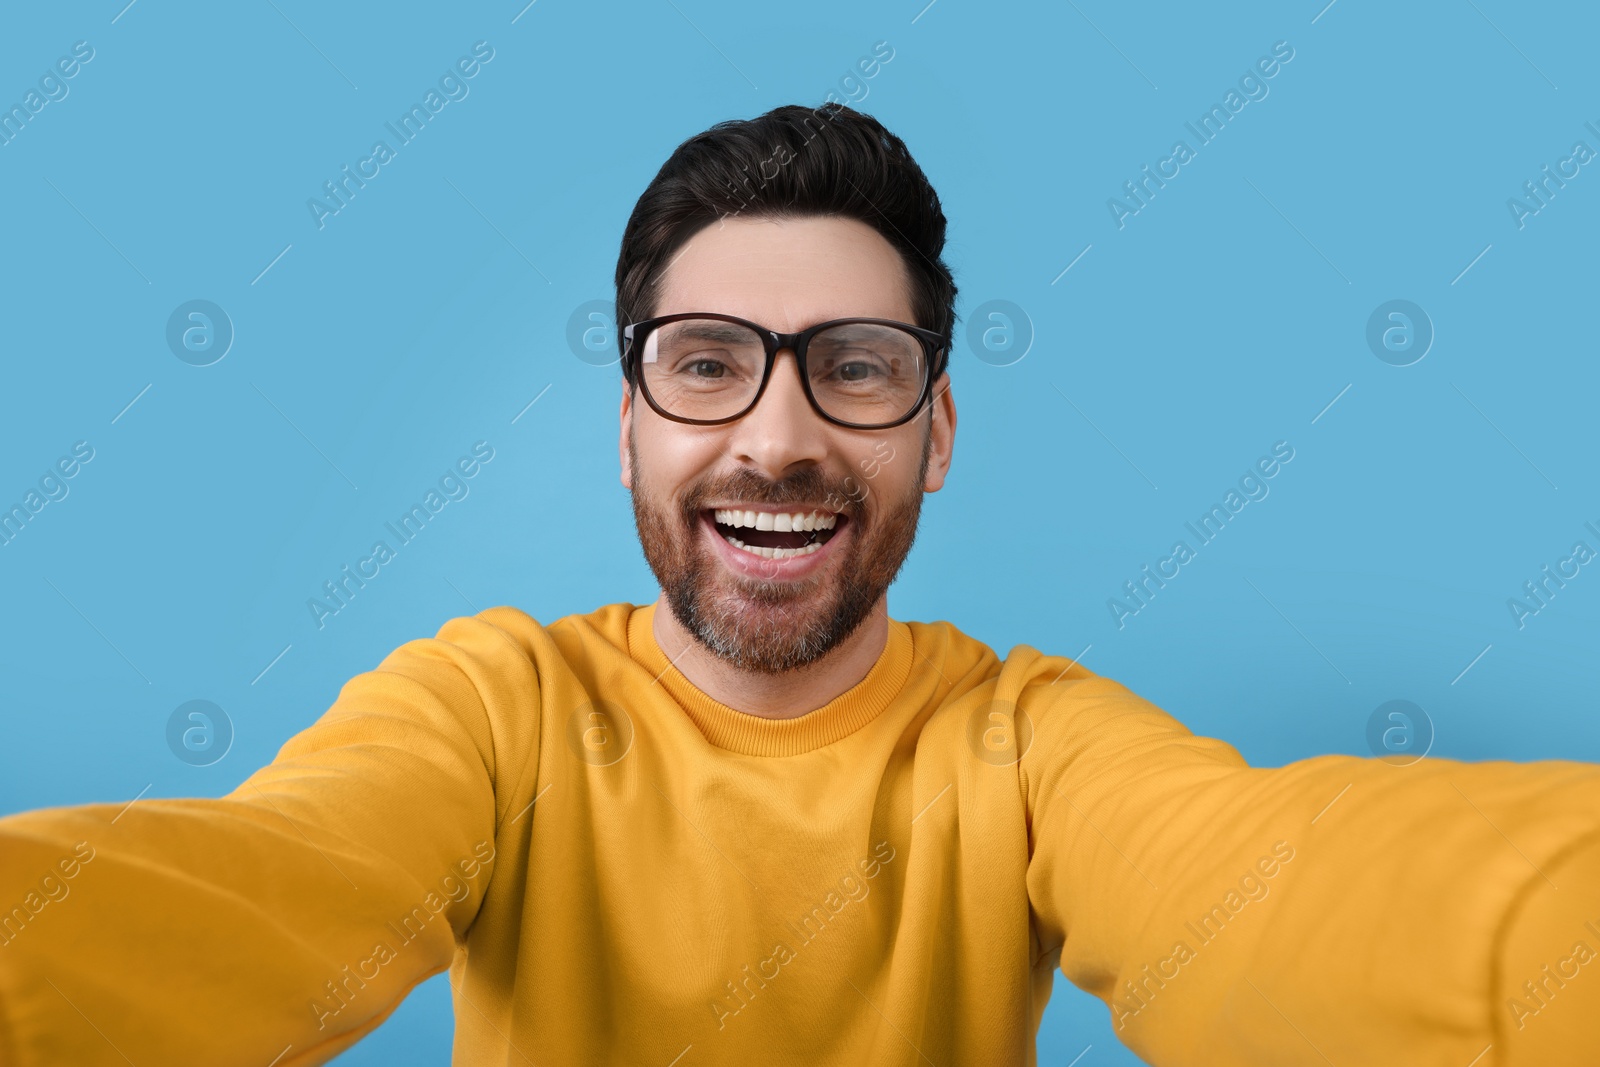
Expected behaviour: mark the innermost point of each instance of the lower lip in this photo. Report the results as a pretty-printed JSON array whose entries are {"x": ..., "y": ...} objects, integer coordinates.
[{"x": 770, "y": 570}]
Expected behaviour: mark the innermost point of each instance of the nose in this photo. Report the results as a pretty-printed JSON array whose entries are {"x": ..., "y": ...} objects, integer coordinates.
[{"x": 783, "y": 430}]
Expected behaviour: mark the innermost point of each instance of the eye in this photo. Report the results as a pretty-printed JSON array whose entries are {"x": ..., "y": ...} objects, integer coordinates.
[
  {"x": 853, "y": 366},
  {"x": 706, "y": 368}
]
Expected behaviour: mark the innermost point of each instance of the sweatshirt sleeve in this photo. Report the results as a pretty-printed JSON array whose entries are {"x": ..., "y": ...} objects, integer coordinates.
[
  {"x": 279, "y": 923},
  {"x": 1334, "y": 910}
]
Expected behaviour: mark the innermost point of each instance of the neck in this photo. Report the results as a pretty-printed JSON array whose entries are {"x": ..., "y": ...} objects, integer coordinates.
[{"x": 774, "y": 696}]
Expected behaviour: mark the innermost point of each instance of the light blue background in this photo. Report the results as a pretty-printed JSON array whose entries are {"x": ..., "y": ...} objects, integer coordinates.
[{"x": 424, "y": 317}]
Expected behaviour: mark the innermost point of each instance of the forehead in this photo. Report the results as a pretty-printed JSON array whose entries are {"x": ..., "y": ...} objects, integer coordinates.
[{"x": 788, "y": 273}]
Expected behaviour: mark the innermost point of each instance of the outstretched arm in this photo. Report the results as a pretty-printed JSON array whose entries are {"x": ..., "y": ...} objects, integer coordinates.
[
  {"x": 286, "y": 919},
  {"x": 1334, "y": 910}
]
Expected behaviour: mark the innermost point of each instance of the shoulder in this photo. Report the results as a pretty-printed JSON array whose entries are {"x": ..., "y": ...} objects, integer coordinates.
[
  {"x": 1026, "y": 676},
  {"x": 1025, "y": 679},
  {"x": 953, "y": 652},
  {"x": 505, "y": 640},
  {"x": 506, "y": 628},
  {"x": 1078, "y": 716}
]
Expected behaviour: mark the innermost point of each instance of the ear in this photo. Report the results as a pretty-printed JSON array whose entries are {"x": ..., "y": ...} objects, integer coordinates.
[
  {"x": 942, "y": 435},
  {"x": 622, "y": 439}
]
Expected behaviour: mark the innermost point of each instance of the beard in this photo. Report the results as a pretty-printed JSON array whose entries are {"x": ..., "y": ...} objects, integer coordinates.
[{"x": 772, "y": 627}]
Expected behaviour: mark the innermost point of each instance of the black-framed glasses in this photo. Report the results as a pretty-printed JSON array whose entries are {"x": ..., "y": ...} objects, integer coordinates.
[{"x": 706, "y": 368}]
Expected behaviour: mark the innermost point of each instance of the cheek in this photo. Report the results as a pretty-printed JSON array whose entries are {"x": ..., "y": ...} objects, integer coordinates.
[
  {"x": 668, "y": 459},
  {"x": 886, "y": 464}
]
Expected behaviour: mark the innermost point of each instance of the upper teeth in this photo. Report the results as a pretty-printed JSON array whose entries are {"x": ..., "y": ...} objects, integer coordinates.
[{"x": 767, "y": 520}]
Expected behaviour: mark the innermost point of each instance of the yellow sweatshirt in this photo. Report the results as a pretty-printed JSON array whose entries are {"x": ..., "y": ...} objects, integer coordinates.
[{"x": 616, "y": 869}]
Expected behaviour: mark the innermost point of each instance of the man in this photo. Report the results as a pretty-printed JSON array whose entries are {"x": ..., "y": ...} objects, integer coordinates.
[{"x": 760, "y": 820}]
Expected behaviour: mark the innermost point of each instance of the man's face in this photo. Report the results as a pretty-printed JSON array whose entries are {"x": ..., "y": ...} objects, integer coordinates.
[{"x": 861, "y": 490}]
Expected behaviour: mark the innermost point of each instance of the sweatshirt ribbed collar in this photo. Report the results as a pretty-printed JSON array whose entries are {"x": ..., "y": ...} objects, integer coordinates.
[{"x": 753, "y": 735}]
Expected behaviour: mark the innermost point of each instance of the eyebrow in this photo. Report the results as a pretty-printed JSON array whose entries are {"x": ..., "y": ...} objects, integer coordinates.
[{"x": 709, "y": 332}]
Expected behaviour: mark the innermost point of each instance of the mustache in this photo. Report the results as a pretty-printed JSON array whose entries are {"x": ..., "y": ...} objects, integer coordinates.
[{"x": 809, "y": 485}]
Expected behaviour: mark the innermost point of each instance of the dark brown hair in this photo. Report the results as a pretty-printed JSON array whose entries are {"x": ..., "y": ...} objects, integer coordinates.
[{"x": 792, "y": 162}]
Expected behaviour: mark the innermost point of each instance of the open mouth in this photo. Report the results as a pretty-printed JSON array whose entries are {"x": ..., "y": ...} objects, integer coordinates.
[{"x": 777, "y": 534}]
